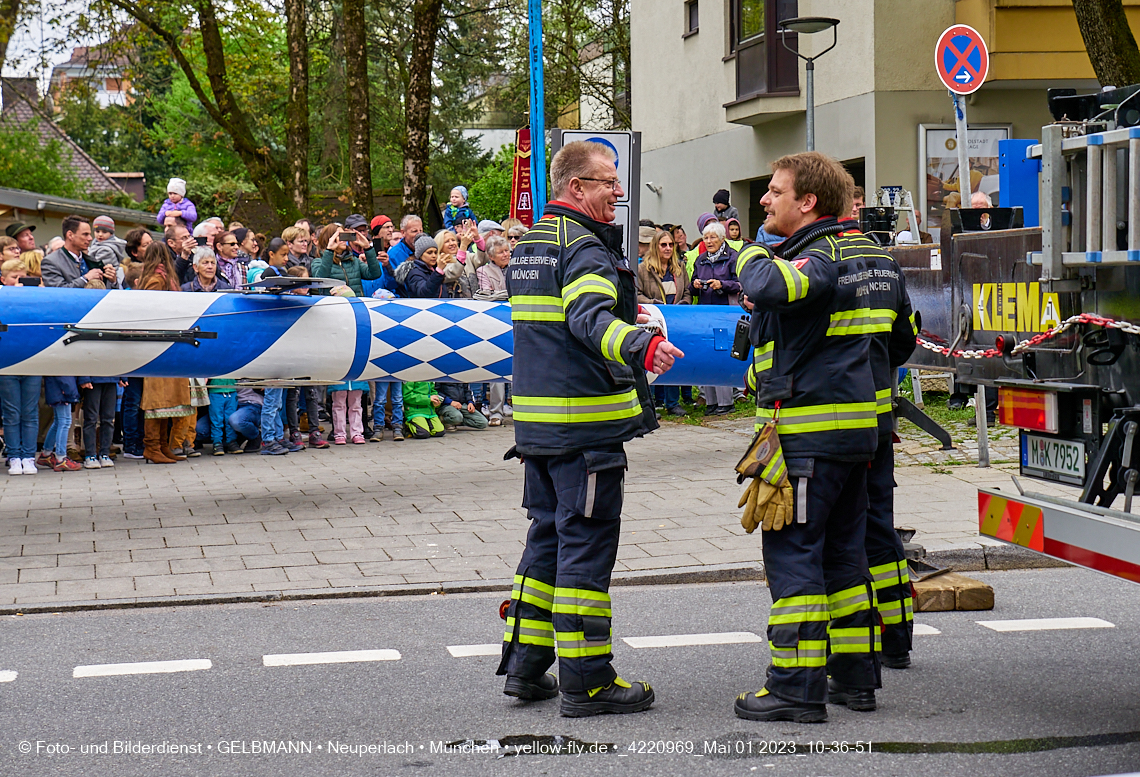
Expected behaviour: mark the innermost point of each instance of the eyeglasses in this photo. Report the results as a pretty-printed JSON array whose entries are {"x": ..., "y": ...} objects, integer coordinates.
[
  {"x": 234, "y": 243},
  {"x": 613, "y": 183}
]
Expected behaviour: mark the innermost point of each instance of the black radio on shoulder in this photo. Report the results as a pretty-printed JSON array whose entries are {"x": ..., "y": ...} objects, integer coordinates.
[{"x": 741, "y": 345}]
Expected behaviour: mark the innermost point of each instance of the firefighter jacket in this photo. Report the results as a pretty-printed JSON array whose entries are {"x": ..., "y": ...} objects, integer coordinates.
[
  {"x": 579, "y": 373},
  {"x": 890, "y": 320},
  {"x": 812, "y": 330}
]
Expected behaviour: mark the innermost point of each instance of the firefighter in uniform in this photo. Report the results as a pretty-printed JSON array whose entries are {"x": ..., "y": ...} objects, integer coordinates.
[
  {"x": 580, "y": 392},
  {"x": 814, "y": 382},
  {"x": 891, "y": 322}
]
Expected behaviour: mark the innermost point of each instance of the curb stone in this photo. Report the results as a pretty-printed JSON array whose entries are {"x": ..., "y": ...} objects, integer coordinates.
[{"x": 961, "y": 560}]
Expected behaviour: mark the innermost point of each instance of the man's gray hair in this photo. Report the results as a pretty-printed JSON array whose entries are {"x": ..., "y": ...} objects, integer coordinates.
[
  {"x": 408, "y": 219},
  {"x": 716, "y": 228},
  {"x": 576, "y": 160}
]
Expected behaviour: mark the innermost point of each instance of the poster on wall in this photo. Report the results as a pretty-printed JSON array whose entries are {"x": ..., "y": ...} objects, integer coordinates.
[{"x": 938, "y": 174}]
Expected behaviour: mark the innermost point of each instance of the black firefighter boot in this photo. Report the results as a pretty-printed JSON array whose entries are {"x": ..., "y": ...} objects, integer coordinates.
[
  {"x": 545, "y": 687},
  {"x": 618, "y": 697},
  {"x": 763, "y": 705},
  {"x": 855, "y": 699}
]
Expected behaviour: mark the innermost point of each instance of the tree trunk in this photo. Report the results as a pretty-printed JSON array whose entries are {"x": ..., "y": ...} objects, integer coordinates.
[
  {"x": 9, "y": 16},
  {"x": 297, "y": 106},
  {"x": 1109, "y": 41},
  {"x": 417, "y": 105},
  {"x": 265, "y": 172},
  {"x": 359, "y": 114}
]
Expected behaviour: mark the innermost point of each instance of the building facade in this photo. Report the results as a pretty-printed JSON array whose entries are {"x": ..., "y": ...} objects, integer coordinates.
[{"x": 717, "y": 97}]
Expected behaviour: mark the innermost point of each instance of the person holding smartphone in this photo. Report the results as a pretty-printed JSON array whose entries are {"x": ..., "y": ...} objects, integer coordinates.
[{"x": 349, "y": 256}]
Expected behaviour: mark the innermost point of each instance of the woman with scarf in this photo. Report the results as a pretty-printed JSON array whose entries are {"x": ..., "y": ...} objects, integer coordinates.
[
  {"x": 662, "y": 280},
  {"x": 169, "y": 416},
  {"x": 230, "y": 265},
  {"x": 714, "y": 283}
]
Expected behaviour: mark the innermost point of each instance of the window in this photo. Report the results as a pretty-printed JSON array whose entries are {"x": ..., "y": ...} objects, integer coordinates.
[
  {"x": 763, "y": 65},
  {"x": 692, "y": 18},
  {"x": 751, "y": 18}
]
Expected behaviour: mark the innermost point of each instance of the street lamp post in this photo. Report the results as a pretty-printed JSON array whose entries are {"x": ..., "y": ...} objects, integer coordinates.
[{"x": 807, "y": 25}]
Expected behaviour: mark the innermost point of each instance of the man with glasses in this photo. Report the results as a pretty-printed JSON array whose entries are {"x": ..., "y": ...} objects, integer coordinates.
[{"x": 580, "y": 393}]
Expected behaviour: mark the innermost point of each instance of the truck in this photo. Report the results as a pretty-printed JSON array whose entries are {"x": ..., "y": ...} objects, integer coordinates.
[{"x": 1049, "y": 317}]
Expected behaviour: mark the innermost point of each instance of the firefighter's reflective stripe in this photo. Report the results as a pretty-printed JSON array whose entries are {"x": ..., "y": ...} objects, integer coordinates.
[
  {"x": 862, "y": 321},
  {"x": 748, "y": 253},
  {"x": 913, "y": 323},
  {"x": 809, "y": 652},
  {"x": 796, "y": 281},
  {"x": 883, "y": 401},
  {"x": 614, "y": 338},
  {"x": 848, "y": 601},
  {"x": 761, "y": 363},
  {"x": 531, "y": 632},
  {"x": 573, "y": 644},
  {"x": 533, "y": 591},
  {"x": 893, "y": 575},
  {"x": 587, "y": 284},
  {"x": 537, "y": 308},
  {"x": 775, "y": 471},
  {"x": 821, "y": 418},
  {"x": 799, "y": 609},
  {"x": 855, "y": 640},
  {"x": 545, "y": 231},
  {"x": 897, "y": 611},
  {"x": 580, "y": 601},
  {"x": 566, "y": 410}
]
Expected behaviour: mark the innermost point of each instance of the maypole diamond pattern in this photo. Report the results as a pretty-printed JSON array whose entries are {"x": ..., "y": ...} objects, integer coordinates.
[{"x": 451, "y": 340}]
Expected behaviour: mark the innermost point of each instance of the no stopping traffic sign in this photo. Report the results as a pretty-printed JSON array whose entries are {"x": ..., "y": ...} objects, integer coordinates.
[{"x": 961, "y": 59}]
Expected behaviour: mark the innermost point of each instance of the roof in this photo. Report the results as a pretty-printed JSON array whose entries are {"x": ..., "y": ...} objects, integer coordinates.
[
  {"x": 21, "y": 112},
  {"x": 32, "y": 201}
]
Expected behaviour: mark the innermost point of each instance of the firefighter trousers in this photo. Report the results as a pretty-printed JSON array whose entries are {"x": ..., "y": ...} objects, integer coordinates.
[
  {"x": 561, "y": 589},
  {"x": 821, "y": 588},
  {"x": 889, "y": 573}
]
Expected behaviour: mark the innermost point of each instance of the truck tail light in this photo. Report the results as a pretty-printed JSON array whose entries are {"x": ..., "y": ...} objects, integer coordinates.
[{"x": 1028, "y": 409}]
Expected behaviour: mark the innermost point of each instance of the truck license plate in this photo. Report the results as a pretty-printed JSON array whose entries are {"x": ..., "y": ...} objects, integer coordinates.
[{"x": 1052, "y": 458}]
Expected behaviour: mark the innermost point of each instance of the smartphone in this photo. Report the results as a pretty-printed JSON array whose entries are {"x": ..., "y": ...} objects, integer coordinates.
[
  {"x": 200, "y": 240},
  {"x": 30, "y": 281},
  {"x": 348, "y": 236}
]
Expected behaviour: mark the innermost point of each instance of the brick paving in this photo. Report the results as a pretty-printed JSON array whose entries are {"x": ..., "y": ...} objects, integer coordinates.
[{"x": 395, "y": 514}]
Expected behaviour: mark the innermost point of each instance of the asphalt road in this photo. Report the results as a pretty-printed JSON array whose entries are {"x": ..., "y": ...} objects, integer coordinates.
[{"x": 976, "y": 701}]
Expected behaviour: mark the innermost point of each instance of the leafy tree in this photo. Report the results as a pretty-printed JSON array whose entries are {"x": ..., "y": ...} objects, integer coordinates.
[
  {"x": 490, "y": 194},
  {"x": 26, "y": 163}
]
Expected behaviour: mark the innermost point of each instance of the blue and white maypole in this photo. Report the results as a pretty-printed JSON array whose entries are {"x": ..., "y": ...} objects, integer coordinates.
[{"x": 537, "y": 111}]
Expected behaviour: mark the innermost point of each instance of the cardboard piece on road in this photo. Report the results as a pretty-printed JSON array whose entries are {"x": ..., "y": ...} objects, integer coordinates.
[{"x": 951, "y": 591}]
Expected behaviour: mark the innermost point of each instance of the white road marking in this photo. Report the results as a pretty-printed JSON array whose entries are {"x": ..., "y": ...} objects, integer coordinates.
[
  {"x": 337, "y": 657},
  {"x": 1047, "y": 624},
  {"x": 465, "y": 651},
  {"x": 7, "y": 676},
  {"x": 143, "y": 667},
  {"x": 922, "y": 630},
  {"x": 687, "y": 640}
]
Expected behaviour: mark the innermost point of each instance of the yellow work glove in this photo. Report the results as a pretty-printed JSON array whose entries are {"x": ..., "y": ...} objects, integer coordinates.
[
  {"x": 766, "y": 505},
  {"x": 777, "y": 511}
]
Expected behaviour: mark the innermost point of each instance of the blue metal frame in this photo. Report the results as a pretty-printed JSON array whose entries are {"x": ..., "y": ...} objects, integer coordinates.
[{"x": 537, "y": 110}]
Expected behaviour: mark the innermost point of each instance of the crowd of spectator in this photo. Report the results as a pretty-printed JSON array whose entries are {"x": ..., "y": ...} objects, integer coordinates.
[{"x": 85, "y": 421}]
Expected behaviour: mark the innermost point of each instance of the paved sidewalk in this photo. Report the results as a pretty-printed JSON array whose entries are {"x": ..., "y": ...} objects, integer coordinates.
[{"x": 417, "y": 513}]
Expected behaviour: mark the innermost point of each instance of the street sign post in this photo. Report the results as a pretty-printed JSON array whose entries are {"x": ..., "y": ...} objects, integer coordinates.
[
  {"x": 627, "y": 147},
  {"x": 962, "y": 62}
]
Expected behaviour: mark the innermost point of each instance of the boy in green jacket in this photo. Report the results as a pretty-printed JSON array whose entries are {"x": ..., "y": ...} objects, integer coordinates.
[{"x": 419, "y": 411}]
